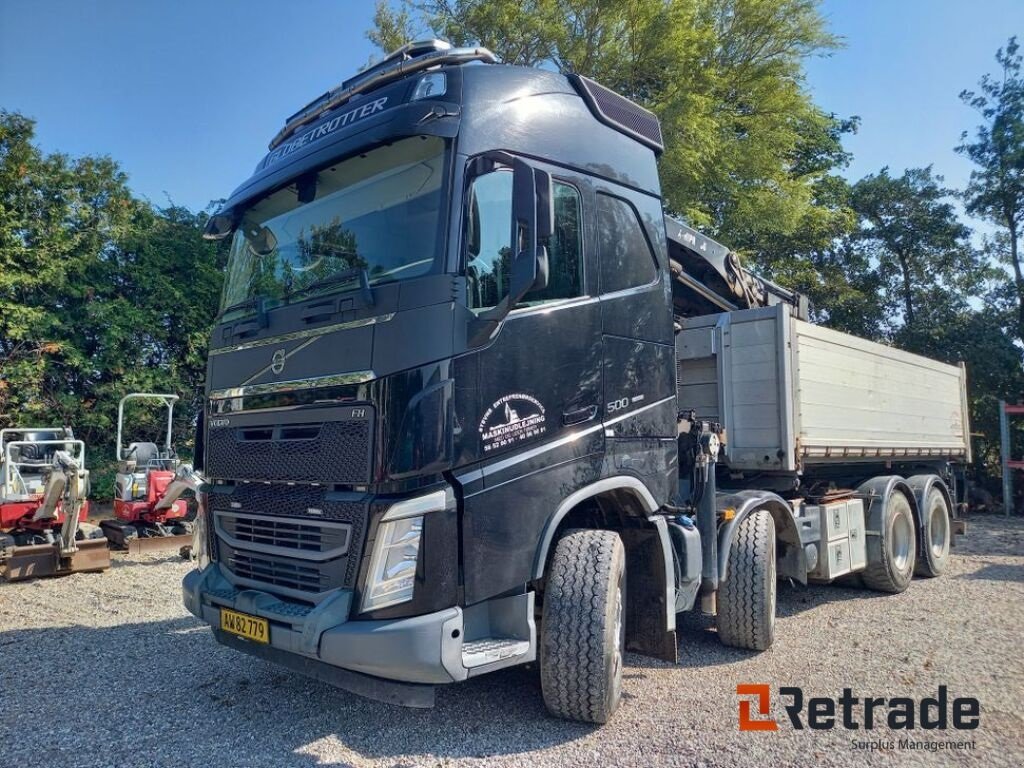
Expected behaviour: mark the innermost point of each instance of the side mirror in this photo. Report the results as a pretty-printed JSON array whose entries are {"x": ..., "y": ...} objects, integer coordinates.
[
  {"x": 545, "y": 226},
  {"x": 199, "y": 453},
  {"x": 473, "y": 236},
  {"x": 532, "y": 220}
]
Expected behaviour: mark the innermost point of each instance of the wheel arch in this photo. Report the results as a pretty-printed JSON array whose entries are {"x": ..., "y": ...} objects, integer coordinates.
[
  {"x": 876, "y": 493},
  {"x": 651, "y": 587},
  {"x": 628, "y": 491},
  {"x": 920, "y": 486},
  {"x": 787, "y": 530}
]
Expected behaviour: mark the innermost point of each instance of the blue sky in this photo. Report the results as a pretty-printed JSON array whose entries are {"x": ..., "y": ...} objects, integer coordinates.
[{"x": 185, "y": 95}]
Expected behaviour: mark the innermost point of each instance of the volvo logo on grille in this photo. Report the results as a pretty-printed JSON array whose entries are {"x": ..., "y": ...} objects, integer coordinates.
[{"x": 277, "y": 361}]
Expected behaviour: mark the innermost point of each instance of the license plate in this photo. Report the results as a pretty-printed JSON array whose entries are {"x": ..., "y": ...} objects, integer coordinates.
[{"x": 244, "y": 625}]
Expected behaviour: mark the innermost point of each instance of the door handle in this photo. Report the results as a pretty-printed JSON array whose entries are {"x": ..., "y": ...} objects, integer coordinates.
[{"x": 579, "y": 415}]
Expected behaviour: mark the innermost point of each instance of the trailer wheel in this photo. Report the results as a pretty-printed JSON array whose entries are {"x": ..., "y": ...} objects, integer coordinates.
[
  {"x": 934, "y": 535},
  {"x": 746, "y": 599},
  {"x": 583, "y": 626},
  {"x": 891, "y": 553}
]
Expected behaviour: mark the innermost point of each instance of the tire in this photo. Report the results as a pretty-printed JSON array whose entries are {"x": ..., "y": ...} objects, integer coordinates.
[
  {"x": 583, "y": 626},
  {"x": 935, "y": 534},
  {"x": 891, "y": 556},
  {"x": 746, "y": 599}
]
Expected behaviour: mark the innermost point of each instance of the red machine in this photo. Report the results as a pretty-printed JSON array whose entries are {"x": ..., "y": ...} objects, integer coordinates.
[
  {"x": 43, "y": 506},
  {"x": 148, "y": 509}
]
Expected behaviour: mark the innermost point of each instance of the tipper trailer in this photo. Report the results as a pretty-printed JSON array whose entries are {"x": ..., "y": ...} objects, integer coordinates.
[{"x": 473, "y": 401}]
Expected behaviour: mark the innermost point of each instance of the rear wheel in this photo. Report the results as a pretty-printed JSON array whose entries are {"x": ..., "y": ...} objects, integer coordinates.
[
  {"x": 583, "y": 626},
  {"x": 746, "y": 599},
  {"x": 934, "y": 536},
  {"x": 891, "y": 553}
]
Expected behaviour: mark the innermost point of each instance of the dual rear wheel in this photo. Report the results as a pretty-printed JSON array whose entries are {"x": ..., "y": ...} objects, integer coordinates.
[{"x": 898, "y": 547}]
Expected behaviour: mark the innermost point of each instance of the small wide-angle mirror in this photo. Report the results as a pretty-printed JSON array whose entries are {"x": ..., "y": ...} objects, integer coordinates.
[
  {"x": 218, "y": 227},
  {"x": 541, "y": 281},
  {"x": 261, "y": 240}
]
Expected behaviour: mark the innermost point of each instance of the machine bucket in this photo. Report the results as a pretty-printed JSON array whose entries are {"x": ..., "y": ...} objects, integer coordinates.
[
  {"x": 158, "y": 543},
  {"x": 40, "y": 560}
]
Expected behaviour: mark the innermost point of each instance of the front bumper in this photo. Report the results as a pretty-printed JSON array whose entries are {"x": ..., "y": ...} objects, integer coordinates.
[{"x": 424, "y": 649}]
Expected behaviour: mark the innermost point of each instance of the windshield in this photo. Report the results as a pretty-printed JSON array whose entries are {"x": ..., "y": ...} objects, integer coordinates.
[{"x": 376, "y": 215}]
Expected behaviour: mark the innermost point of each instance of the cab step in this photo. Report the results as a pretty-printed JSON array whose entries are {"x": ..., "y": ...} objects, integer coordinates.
[{"x": 489, "y": 650}]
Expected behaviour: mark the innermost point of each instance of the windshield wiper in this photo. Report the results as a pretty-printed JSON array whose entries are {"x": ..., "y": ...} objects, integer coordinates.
[
  {"x": 256, "y": 302},
  {"x": 342, "y": 276}
]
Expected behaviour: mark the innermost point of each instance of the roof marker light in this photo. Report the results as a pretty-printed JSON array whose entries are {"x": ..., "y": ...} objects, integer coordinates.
[{"x": 430, "y": 86}]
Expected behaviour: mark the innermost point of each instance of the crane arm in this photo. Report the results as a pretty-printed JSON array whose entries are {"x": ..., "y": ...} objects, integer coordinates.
[{"x": 707, "y": 277}]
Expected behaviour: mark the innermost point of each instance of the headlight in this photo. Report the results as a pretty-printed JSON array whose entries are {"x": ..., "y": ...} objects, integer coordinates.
[
  {"x": 200, "y": 539},
  {"x": 392, "y": 573}
]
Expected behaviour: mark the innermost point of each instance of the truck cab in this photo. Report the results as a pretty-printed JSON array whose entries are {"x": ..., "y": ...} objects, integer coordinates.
[{"x": 442, "y": 423}]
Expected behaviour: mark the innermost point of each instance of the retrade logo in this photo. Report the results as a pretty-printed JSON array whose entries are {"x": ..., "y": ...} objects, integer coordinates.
[
  {"x": 762, "y": 693},
  {"x": 850, "y": 712}
]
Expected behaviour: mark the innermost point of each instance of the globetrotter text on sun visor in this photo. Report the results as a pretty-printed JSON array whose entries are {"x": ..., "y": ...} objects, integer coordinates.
[
  {"x": 512, "y": 419},
  {"x": 338, "y": 121}
]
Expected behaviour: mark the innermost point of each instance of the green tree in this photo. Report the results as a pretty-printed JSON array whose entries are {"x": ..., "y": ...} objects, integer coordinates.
[
  {"x": 921, "y": 252},
  {"x": 57, "y": 215},
  {"x": 996, "y": 188},
  {"x": 746, "y": 146},
  {"x": 391, "y": 28},
  {"x": 101, "y": 294}
]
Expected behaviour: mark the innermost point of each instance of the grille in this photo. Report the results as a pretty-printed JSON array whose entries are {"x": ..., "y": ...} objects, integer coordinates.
[
  {"x": 277, "y": 571},
  {"x": 330, "y": 452},
  {"x": 274, "y": 532},
  {"x": 246, "y": 504},
  {"x": 620, "y": 113},
  {"x": 289, "y": 501}
]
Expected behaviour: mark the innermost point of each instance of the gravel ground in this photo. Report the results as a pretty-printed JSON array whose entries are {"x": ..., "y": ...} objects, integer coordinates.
[{"x": 109, "y": 669}]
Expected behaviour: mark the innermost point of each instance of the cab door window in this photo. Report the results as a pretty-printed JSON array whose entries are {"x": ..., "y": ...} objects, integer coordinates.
[
  {"x": 627, "y": 260},
  {"x": 489, "y": 251}
]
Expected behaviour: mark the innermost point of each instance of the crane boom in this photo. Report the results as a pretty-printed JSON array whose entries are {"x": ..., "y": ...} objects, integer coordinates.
[{"x": 707, "y": 277}]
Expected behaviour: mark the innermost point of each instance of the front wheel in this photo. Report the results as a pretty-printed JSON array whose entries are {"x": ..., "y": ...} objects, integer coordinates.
[
  {"x": 583, "y": 626},
  {"x": 746, "y": 599}
]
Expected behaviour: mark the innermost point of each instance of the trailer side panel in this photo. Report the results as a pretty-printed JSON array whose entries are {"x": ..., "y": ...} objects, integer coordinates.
[
  {"x": 791, "y": 394},
  {"x": 858, "y": 399}
]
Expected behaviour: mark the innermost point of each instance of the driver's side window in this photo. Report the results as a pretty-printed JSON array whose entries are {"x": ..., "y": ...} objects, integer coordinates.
[{"x": 489, "y": 249}]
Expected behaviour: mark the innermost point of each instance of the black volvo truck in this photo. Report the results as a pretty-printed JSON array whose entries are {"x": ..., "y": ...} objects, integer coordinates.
[{"x": 473, "y": 401}]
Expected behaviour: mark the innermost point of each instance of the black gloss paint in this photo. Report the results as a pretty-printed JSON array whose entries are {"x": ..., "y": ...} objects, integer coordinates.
[{"x": 560, "y": 396}]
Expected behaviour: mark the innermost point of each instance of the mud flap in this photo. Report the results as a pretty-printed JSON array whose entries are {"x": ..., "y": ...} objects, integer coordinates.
[
  {"x": 650, "y": 614},
  {"x": 41, "y": 560}
]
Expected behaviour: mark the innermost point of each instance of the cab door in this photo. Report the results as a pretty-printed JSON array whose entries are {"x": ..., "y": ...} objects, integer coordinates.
[
  {"x": 539, "y": 390},
  {"x": 639, "y": 350}
]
